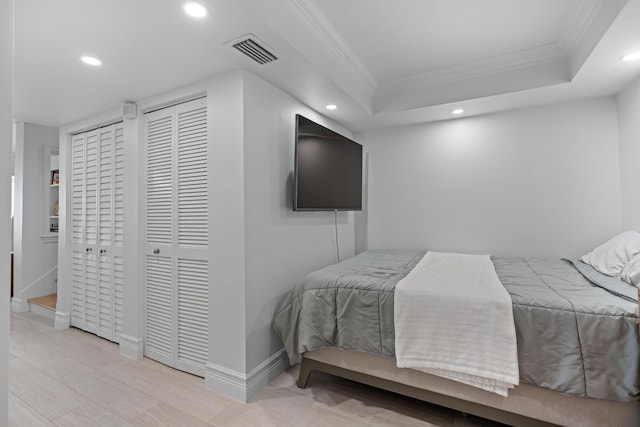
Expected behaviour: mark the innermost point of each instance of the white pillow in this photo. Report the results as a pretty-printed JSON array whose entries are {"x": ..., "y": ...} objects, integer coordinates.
[
  {"x": 631, "y": 273},
  {"x": 613, "y": 256}
]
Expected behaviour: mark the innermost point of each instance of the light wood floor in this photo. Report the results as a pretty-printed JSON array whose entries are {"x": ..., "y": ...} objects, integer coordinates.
[
  {"x": 72, "y": 378},
  {"x": 48, "y": 301}
]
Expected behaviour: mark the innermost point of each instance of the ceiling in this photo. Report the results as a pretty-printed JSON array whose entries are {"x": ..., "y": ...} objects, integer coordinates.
[{"x": 382, "y": 62}]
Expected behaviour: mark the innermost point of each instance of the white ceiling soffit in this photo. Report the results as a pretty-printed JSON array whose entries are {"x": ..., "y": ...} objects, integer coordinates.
[
  {"x": 303, "y": 25},
  {"x": 254, "y": 48},
  {"x": 588, "y": 22},
  {"x": 311, "y": 27}
]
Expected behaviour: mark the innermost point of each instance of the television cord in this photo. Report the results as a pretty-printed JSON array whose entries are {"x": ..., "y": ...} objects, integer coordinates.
[{"x": 335, "y": 220}]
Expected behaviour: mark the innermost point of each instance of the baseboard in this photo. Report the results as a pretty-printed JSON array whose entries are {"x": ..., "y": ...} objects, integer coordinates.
[
  {"x": 19, "y": 305},
  {"x": 267, "y": 371},
  {"x": 131, "y": 347},
  {"x": 244, "y": 387},
  {"x": 225, "y": 381},
  {"x": 42, "y": 311},
  {"x": 62, "y": 320},
  {"x": 43, "y": 285}
]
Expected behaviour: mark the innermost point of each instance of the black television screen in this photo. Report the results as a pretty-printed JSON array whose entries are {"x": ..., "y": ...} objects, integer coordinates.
[{"x": 328, "y": 169}]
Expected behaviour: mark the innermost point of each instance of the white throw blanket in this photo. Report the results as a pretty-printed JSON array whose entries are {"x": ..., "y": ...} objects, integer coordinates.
[{"x": 454, "y": 319}]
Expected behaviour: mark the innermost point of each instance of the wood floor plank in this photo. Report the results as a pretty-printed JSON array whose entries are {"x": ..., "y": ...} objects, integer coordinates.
[{"x": 48, "y": 301}]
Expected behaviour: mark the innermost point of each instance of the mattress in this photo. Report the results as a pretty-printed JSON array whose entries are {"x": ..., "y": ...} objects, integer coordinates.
[{"x": 574, "y": 336}]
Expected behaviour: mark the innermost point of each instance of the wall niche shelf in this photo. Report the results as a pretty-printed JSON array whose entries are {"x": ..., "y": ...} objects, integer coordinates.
[{"x": 51, "y": 194}]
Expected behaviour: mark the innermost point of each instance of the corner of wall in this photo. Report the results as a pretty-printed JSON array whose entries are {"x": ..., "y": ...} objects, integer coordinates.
[
  {"x": 131, "y": 347},
  {"x": 628, "y": 108},
  {"x": 6, "y": 83},
  {"x": 62, "y": 320},
  {"x": 226, "y": 223},
  {"x": 243, "y": 387},
  {"x": 19, "y": 305}
]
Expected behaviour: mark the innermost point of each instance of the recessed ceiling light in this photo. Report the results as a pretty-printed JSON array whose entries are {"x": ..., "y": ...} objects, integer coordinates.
[
  {"x": 457, "y": 111},
  {"x": 195, "y": 9},
  {"x": 90, "y": 60},
  {"x": 331, "y": 107},
  {"x": 631, "y": 57}
]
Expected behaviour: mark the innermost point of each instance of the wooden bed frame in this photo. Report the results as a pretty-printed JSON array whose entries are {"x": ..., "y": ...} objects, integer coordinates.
[{"x": 526, "y": 405}]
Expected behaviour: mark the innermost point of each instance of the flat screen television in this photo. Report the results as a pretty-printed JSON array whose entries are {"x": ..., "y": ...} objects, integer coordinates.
[{"x": 327, "y": 170}]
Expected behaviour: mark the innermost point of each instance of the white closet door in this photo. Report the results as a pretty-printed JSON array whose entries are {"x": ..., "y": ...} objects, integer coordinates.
[
  {"x": 159, "y": 298},
  {"x": 176, "y": 283},
  {"x": 83, "y": 231},
  {"x": 91, "y": 232},
  {"x": 118, "y": 232},
  {"x": 78, "y": 306},
  {"x": 96, "y": 230},
  {"x": 105, "y": 231},
  {"x": 192, "y": 238}
]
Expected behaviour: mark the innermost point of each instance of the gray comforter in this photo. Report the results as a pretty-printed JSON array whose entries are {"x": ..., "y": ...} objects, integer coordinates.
[{"x": 573, "y": 336}]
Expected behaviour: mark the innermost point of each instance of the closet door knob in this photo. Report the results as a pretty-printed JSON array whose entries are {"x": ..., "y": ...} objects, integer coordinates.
[
  {"x": 103, "y": 251},
  {"x": 156, "y": 251},
  {"x": 87, "y": 250}
]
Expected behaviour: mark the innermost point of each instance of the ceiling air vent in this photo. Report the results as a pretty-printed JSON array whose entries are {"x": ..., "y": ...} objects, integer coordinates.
[{"x": 254, "y": 48}]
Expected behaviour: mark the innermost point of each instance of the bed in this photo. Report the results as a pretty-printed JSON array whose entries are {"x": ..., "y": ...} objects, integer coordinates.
[{"x": 577, "y": 339}]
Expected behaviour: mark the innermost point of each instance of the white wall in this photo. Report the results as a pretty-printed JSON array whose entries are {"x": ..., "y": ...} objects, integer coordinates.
[
  {"x": 226, "y": 226},
  {"x": 629, "y": 129},
  {"x": 533, "y": 182},
  {"x": 35, "y": 259},
  {"x": 260, "y": 248},
  {"x": 281, "y": 245},
  {"x": 6, "y": 83}
]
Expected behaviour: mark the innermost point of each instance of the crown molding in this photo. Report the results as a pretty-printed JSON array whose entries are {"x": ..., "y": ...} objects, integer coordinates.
[
  {"x": 513, "y": 61},
  {"x": 582, "y": 16},
  {"x": 326, "y": 34}
]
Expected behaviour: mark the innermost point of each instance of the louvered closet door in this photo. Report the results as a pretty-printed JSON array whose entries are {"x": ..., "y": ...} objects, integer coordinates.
[
  {"x": 159, "y": 298},
  {"x": 117, "y": 239},
  {"x": 97, "y": 231},
  {"x": 176, "y": 282},
  {"x": 79, "y": 248}
]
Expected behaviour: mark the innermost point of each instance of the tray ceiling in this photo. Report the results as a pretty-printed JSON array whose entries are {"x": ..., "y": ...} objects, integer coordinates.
[{"x": 382, "y": 62}]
